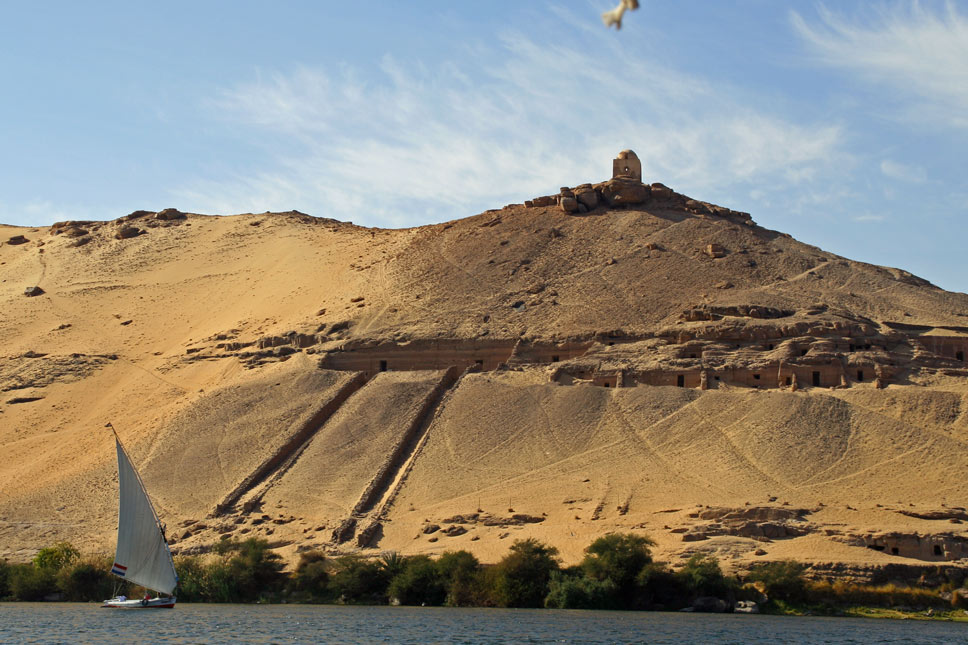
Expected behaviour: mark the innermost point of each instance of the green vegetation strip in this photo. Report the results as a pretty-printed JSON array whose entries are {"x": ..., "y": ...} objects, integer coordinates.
[{"x": 617, "y": 572}]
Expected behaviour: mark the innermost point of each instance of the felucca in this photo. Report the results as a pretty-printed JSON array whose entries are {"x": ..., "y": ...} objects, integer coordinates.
[{"x": 142, "y": 556}]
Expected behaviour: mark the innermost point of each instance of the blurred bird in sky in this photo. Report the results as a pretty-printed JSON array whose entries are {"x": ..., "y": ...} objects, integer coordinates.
[{"x": 614, "y": 17}]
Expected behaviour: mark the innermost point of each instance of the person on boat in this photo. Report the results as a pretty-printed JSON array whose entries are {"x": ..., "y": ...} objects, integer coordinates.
[{"x": 122, "y": 598}]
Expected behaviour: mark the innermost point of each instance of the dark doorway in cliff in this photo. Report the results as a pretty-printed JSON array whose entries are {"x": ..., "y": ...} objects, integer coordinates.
[
  {"x": 756, "y": 377},
  {"x": 860, "y": 376},
  {"x": 960, "y": 356},
  {"x": 479, "y": 362},
  {"x": 875, "y": 547},
  {"x": 937, "y": 549},
  {"x": 816, "y": 379},
  {"x": 606, "y": 384},
  {"x": 788, "y": 381},
  {"x": 555, "y": 359},
  {"x": 894, "y": 550},
  {"x": 681, "y": 381},
  {"x": 383, "y": 366}
]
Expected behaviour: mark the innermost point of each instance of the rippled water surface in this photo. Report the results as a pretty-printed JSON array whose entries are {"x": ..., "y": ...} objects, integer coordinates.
[{"x": 86, "y": 623}]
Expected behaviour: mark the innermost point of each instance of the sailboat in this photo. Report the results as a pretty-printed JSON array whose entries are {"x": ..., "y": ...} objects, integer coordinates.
[{"x": 142, "y": 554}]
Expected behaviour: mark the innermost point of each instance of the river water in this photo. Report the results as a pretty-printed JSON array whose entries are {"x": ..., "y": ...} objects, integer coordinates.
[{"x": 200, "y": 623}]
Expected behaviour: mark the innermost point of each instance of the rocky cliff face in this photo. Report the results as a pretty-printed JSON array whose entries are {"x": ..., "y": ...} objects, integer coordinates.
[{"x": 615, "y": 357}]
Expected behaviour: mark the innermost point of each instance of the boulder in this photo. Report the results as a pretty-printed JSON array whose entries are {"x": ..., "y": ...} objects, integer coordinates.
[
  {"x": 618, "y": 192},
  {"x": 588, "y": 197},
  {"x": 715, "y": 251},
  {"x": 170, "y": 214},
  {"x": 710, "y": 604},
  {"x": 126, "y": 232},
  {"x": 33, "y": 291},
  {"x": 74, "y": 231},
  {"x": 569, "y": 204},
  {"x": 17, "y": 239}
]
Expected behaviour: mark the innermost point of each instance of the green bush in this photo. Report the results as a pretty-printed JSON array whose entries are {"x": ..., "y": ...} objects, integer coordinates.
[
  {"x": 460, "y": 571},
  {"x": 524, "y": 574},
  {"x": 191, "y": 578},
  {"x": 702, "y": 576},
  {"x": 618, "y": 557},
  {"x": 86, "y": 580},
  {"x": 781, "y": 580},
  {"x": 419, "y": 583},
  {"x": 356, "y": 580},
  {"x": 310, "y": 581},
  {"x": 4, "y": 579},
  {"x": 55, "y": 558},
  {"x": 580, "y": 592},
  {"x": 29, "y": 583},
  {"x": 658, "y": 587},
  {"x": 257, "y": 570}
]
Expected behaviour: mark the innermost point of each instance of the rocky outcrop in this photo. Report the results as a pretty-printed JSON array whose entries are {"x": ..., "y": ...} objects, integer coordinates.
[
  {"x": 170, "y": 214},
  {"x": 714, "y": 312},
  {"x": 762, "y": 523},
  {"x": 127, "y": 232},
  {"x": 14, "y": 240}
]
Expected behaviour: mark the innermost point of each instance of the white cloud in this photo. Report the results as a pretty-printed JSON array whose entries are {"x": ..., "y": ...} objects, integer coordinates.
[
  {"x": 417, "y": 143},
  {"x": 919, "y": 54},
  {"x": 869, "y": 217},
  {"x": 903, "y": 172}
]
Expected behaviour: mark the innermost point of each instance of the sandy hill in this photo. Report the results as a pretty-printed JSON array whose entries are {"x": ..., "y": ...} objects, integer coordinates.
[{"x": 615, "y": 357}]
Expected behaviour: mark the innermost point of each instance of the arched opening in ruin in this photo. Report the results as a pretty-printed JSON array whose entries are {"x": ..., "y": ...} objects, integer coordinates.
[
  {"x": 937, "y": 549},
  {"x": 681, "y": 380},
  {"x": 960, "y": 356},
  {"x": 816, "y": 379},
  {"x": 860, "y": 376},
  {"x": 383, "y": 366}
]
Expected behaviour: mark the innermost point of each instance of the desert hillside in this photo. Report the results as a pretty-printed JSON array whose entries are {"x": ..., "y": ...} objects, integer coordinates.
[{"x": 615, "y": 357}]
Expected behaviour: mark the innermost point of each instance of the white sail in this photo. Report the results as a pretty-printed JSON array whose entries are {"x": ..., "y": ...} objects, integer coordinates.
[{"x": 142, "y": 556}]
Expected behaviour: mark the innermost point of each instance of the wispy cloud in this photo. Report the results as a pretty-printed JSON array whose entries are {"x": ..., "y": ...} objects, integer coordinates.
[
  {"x": 903, "y": 172},
  {"x": 868, "y": 217},
  {"x": 920, "y": 54},
  {"x": 417, "y": 142}
]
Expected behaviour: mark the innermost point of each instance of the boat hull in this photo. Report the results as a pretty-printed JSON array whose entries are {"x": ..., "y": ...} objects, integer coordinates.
[{"x": 133, "y": 603}]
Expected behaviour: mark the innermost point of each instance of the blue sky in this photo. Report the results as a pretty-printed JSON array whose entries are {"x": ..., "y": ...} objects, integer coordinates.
[{"x": 842, "y": 123}]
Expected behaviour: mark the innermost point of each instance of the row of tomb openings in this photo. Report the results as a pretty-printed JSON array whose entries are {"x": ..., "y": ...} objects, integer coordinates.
[
  {"x": 828, "y": 376},
  {"x": 371, "y": 361}
]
